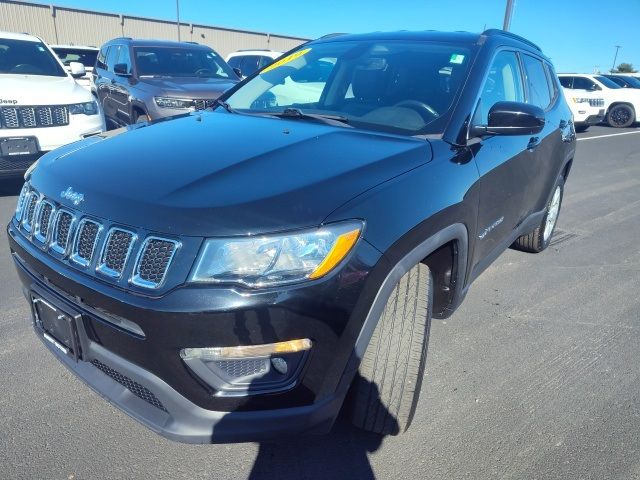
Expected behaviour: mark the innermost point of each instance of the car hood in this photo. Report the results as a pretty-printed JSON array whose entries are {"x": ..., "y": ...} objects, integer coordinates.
[
  {"x": 187, "y": 87},
  {"x": 41, "y": 90},
  {"x": 219, "y": 174}
]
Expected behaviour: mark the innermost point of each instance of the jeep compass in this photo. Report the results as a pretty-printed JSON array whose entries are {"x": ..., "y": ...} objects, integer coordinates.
[{"x": 263, "y": 265}]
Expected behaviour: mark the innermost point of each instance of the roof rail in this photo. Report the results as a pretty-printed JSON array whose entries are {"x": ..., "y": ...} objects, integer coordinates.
[
  {"x": 123, "y": 38},
  {"x": 192, "y": 42},
  {"x": 253, "y": 50},
  {"x": 496, "y": 31},
  {"x": 331, "y": 35}
]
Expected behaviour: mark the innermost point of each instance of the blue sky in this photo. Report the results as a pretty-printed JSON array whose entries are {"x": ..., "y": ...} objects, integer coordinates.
[{"x": 577, "y": 35}]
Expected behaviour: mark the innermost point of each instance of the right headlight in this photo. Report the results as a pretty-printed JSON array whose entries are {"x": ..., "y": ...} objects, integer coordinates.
[
  {"x": 170, "y": 102},
  {"x": 269, "y": 260}
]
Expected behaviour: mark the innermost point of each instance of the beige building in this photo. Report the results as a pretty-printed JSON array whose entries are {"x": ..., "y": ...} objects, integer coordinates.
[{"x": 62, "y": 25}]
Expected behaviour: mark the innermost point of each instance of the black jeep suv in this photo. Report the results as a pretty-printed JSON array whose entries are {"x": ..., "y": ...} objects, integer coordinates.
[{"x": 256, "y": 263}]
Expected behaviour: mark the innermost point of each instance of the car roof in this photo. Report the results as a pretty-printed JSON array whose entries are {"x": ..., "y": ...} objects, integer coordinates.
[
  {"x": 155, "y": 43},
  {"x": 77, "y": 47},
  {"x": 19, "y": 36}
]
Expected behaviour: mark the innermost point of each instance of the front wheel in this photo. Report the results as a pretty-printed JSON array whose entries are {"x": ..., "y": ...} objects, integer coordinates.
[
  {"x": 621, "y": 116},
  {"x": 540, "y": 238},
  {"x": 385, "y": 393}
]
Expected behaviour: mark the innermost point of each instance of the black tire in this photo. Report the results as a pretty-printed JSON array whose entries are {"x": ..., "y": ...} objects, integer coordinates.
[
  {"x": 621, "y": 116},
  {"x": 581, "y": 127},
  {"x": 385, "y": 393},
  {"x": 537, "y": 241}
]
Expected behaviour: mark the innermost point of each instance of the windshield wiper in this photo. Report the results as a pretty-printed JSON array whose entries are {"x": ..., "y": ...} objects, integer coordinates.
[
  {"x": 224, "y": 105},
  {"x": 321, "y": 117}
]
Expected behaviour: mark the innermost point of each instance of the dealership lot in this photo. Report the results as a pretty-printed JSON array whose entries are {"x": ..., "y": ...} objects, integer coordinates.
[{"x": 535, "y": 376}]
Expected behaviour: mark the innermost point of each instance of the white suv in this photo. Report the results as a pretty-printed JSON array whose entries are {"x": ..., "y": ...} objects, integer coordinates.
[
  {"x": 41, "y": 105},
  {"x": 621, "y": 104},
  {"x": 75, "y": 53},
  {"x": 249, "y": 61},
  {"x": 587, "y": 107}
]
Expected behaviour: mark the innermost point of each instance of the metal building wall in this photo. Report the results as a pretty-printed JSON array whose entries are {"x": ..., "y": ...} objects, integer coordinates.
[{"x": 83, "y": 27}]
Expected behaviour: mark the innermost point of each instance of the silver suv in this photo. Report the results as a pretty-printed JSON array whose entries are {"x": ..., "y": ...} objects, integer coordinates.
[{"x": 141, "y": 80}]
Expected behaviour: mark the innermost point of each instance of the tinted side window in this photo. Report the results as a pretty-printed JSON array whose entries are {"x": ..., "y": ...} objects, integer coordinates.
[
  {"x": 234, "y": 62},
  {"x": 566, "y": 82},
  {"x": 249, "y": 65},
  {"x": 551, "y": 80},
  {"x": 264, "y": 61},
  {"x": 101, "y": 61},
  {"x": 536, "y": 82},
  {"x": 581, "y": 83},
  {"x": 504, "y": 83},
  {"x": 124, "y": 57},
  {"x": 112, "y": 57}
]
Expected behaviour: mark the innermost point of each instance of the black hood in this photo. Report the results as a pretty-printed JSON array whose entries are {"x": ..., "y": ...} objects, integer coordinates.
[
  {"x": 187, "y": 87},
  {"x": 216, "y": 174}
]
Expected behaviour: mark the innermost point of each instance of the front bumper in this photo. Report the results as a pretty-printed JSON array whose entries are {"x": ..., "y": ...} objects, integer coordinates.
[{"x": 130, "y": 371}]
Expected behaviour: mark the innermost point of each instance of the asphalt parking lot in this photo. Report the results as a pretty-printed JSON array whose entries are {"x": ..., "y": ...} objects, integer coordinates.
[{"x": 535, "y": 376}]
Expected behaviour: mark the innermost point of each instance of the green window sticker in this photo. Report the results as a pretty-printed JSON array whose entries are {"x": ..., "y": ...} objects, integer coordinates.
[{"x": 456, "y": 58}]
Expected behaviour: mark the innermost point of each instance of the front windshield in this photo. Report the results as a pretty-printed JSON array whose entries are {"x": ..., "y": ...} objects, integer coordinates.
[
  {"x": 607, "y": 82},
  {"x": 28, "y": 58},
  {"x": 405, "y": 87},
  {"x": 181, "y": 62},
  {"x": 81, "y": 55}
]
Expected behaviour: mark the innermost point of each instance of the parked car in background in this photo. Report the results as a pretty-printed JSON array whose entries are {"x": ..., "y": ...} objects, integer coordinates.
[
  {"x": 249, "y": 61},
  {"x": 587, "y": 108},
  {"x": 74, "y": 53},
  {"x": 621, "y": 104},
  {"x": 41, "y": 105},
  {"x": 141, "y": 80},
  {"x": 624, "y": 81},
  {"x": 231, "y": 276}
]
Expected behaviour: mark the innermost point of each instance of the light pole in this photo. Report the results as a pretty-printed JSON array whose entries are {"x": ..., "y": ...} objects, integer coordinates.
[
  {"x": 178, "y": 17},
  {"x": 507, "y": 16},
  {"x": 615, "y": 57}
]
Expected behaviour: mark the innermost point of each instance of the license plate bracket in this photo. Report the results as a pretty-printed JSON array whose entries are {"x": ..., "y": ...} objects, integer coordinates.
[
  {"x": 57, "y": 326},
  {"x": 13, "y": 147}
]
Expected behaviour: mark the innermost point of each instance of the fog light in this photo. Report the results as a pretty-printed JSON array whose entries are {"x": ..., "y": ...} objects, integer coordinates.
[{"x": 251, "y": 369}]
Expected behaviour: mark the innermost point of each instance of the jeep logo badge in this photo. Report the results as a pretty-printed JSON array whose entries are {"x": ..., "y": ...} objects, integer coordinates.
[
  {"x": 74, "y": 197},
  {"x": 8, "y": 102}
]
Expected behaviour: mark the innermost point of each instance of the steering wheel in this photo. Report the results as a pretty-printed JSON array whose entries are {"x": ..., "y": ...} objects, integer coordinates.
[
  {"x": 420, "y": 107},
  {"x": 202, "y": 71},
  {"x": 25, "y": 68}
]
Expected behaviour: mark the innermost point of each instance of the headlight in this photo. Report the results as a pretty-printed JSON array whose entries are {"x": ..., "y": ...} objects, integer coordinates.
[
  {"x": 88, "y": 108},
  {"x": 276, "y": 259},
  {"x": 579, "y": 100},
  {"x": 168, "y": 102}
]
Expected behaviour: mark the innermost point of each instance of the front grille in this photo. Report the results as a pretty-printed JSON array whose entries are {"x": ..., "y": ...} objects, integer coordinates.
[
  {"x": 43, "y": 221},
  {"x": 27, "y": 222},
  {"x": 62, "y": 231},
  {"x": 34, "y": 117},
  {"x": 85, "y": 243},
  {"x": 116, "y": 252},
  {"x": 596, "y": 102},
  {"x": 203, "y": 104},
  {"x": 79, "y": 242},
  {"x": 154, "y": 261},
  {"x": 134, "y": 387}
]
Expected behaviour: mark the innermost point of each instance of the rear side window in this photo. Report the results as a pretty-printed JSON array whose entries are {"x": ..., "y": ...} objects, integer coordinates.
[
  {"x": 566, "y": 82},
  {"x": 537, "y": 84},
  {"x": 504, "y": 83},
  {"x": 551, "y": 81},
  {"x": 101, "y": 61},
  {"x": 582, "y": 83}
]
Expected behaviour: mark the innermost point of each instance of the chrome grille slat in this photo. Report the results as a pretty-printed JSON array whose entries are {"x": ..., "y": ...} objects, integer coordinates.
[
  {"x": 34, "y": 116},
  {"x": 85, "y": 242},
  {"x": 27, "y": 221},
  {"x": 153, "y": 262},
  {"x": 43, "y": 221},
  {"x": 116, "y": 251},
  {"x": 62, "y": 231}
]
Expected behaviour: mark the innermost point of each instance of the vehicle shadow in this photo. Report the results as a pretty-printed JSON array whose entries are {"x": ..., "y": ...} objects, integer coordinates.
[
  {"x": 10, "y": 187},
  {"x": 342, "y": 453}
]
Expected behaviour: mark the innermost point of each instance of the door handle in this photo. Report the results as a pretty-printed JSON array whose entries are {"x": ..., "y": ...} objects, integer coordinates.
[{"x": 533, "y": 143}]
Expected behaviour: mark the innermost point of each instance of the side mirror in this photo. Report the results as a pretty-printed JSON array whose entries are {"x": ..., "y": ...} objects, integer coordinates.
[
  {"x": 121, "y": 69},
  {"x": 512, "y": 118},
  {"x": 238, "y": 72},
  {"x": 77, "y": 69},
  {"x": 594, "y": 87}
]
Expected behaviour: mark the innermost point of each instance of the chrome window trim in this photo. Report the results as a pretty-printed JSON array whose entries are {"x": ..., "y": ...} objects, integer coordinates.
[
  {"x": 37, "y": 233},
  {"x": 54, "y": 243},
  {"x": 102, "y": 267},
  {"x": 75, "y": 257},
  {"x": 135, "y": 277}
]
